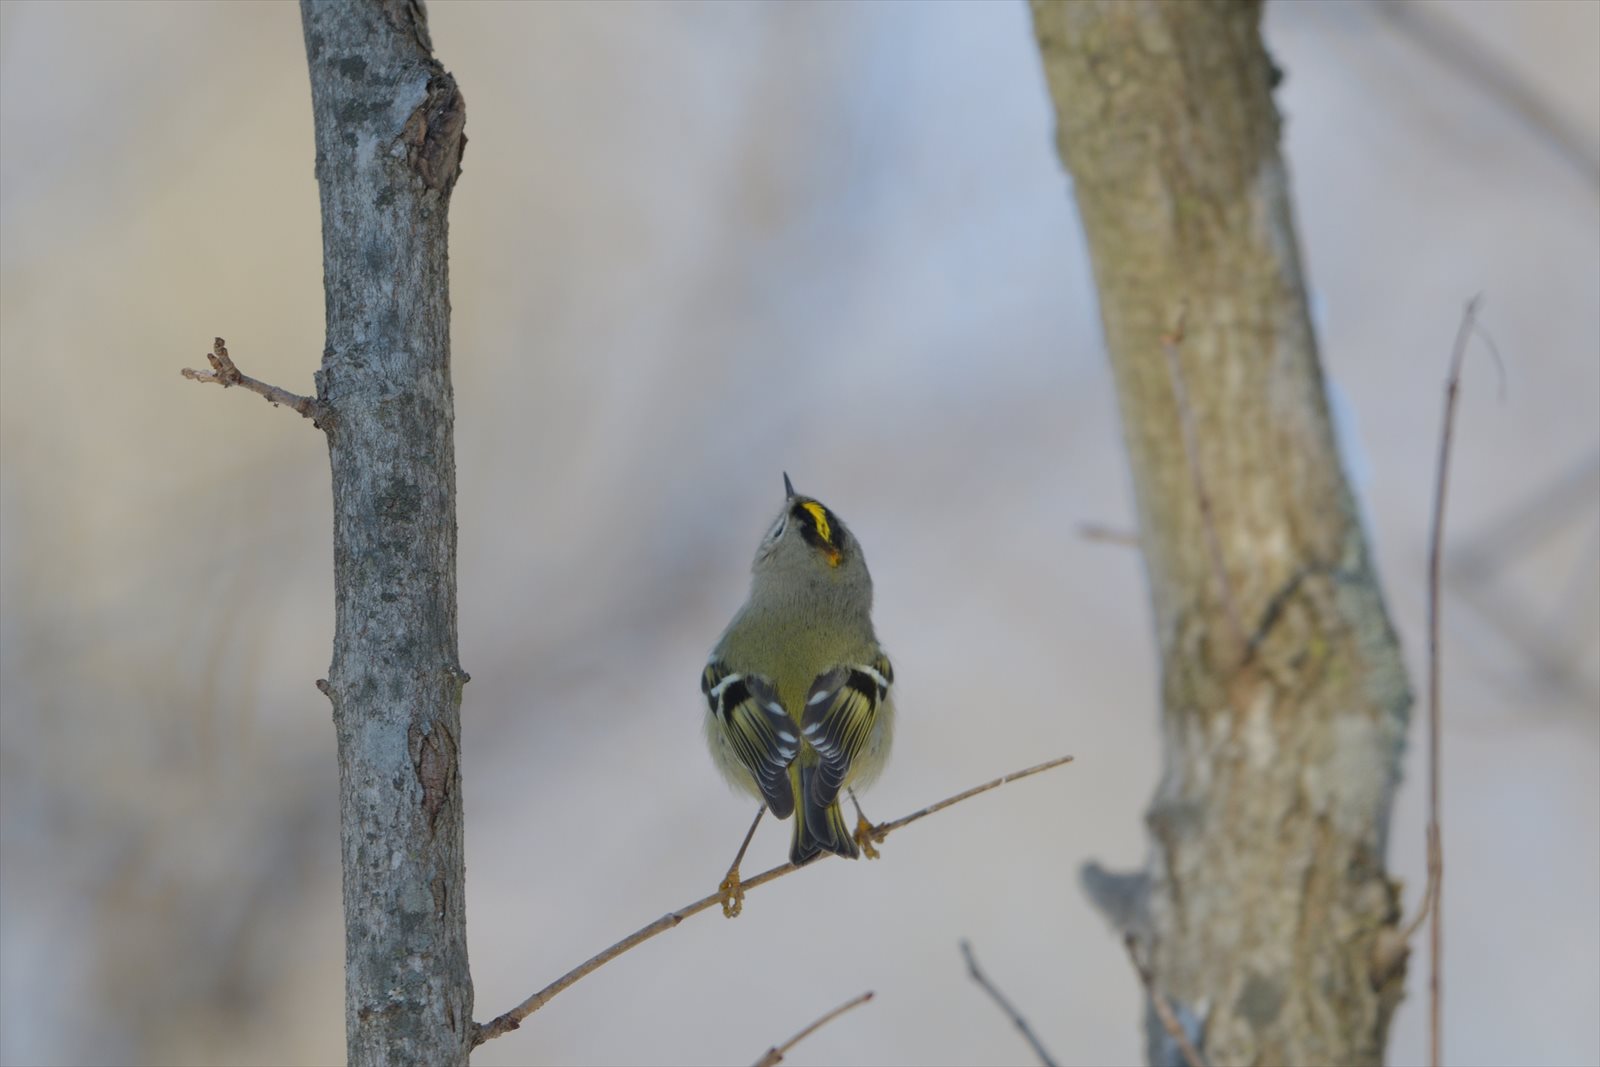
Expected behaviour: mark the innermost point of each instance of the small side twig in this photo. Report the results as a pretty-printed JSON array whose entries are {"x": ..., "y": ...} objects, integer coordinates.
[
  {"x": 223, "y": 372},
  {"x": 774, "y": 1055},
  {"x": 505, "y": 1023},
  {"x": 1191, "y": 451},
  {"x": 1169, "y": 1021},
  {"x": 1006, "y": 1006},
  {"x": 1110, "y": 535}
]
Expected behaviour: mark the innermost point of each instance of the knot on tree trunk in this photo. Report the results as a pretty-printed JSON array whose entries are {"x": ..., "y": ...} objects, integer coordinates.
[{"x": 435, "y": 134}]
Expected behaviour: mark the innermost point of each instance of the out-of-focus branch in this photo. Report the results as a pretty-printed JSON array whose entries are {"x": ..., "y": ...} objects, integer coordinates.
[
  {"x": 1555, "y": 640},
  {"x": 774, "y": 1055},
  {"x": 1430, "y": 900},
  {"x": 1110, "y": 535},
  {"x": 1166, "y": 123},
  {"x": 512, "y": 1019},
  {"x": 1006, "y": 1006},
  {"x": 223, "y": 372},
  {"x": 1434, "y": 33},
  {"x": 1390, "y": 952},
  {"x": 1169, "y": 1021}
]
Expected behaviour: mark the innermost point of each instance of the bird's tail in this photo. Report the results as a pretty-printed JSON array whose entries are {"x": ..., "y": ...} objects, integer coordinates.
[{"x": 818, "y": 827}]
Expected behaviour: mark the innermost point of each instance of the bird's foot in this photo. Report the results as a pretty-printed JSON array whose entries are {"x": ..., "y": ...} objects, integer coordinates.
[
  {"x": 732, "y": 891},
  {"x": 864, "y": 833}
]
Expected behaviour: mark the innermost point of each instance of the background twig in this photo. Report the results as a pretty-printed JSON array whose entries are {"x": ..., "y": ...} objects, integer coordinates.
[
  {"x": 1430, "y": 900},
  {"x": 1169, "y": 1021},
  {"x": 1006, "y": 1006},
  {"x": 1439, "y": 36},
  {"x": 774, "y": 1055},
  {"x": 1111, "y": 535},
  {"x": 510, "y": 1020}
]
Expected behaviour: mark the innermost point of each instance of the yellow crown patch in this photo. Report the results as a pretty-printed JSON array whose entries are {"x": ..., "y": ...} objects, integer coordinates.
[{"x": 820, "y": 514}]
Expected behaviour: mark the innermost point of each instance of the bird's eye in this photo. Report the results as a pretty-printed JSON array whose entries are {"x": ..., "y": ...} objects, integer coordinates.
[{"x": 778, "y": 528}]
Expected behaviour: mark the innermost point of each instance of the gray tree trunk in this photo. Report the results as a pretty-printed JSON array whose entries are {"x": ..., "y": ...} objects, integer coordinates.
[
  {"x": 389, "y": 139},
  {"x": 1284, "y": 699}
]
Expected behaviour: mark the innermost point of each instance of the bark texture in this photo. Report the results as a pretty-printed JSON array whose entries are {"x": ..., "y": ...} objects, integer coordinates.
[
  {"x": 1264, "y": 904},
  {"x": 389, "y": 139}
]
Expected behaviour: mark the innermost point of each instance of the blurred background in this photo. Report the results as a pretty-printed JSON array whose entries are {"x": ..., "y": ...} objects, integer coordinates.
[{"x": 695, "y": 245}]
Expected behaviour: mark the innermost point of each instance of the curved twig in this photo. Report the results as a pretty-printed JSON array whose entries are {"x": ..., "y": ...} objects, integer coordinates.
[
  {"x": 512, "y": 1019},
  {"x": 774, "y": 1055}
]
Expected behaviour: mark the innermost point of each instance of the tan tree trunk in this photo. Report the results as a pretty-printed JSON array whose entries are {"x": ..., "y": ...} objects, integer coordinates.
[{"x": 1284, "y": 699}]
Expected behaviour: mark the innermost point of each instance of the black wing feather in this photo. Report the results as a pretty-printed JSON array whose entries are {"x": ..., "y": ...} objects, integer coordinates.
[
  {"x": 760, "y": 731},
  {"x": 841, "y": 713}
]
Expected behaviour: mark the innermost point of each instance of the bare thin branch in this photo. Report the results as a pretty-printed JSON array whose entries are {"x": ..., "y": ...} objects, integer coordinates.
[
  {"x": 883, "y": 830},
  {"x": 1191, "y": 451},
  {"x": 509, "y": 1021},
  {"x": 224, "y": 373},
  {"x": 1006, "y": 1006},
  {"x": 1430, "y": 900},
  {"x": 774, "y": 1055},
  {"x": 1390, "y": 951},
  {"x": 1169, "y": 1021}
]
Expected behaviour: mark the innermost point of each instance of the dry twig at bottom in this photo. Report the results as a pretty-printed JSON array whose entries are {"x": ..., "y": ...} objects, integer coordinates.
[
  {"x": 775, "y": 1054},
  {"x": 512, "y": 1019},
  {"x": 1006, "y": 1006},
  {"x": 223, "y": 372}
]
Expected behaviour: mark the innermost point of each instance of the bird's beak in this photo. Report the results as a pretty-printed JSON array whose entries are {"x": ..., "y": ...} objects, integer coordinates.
[{"x": 788, "y": 486}]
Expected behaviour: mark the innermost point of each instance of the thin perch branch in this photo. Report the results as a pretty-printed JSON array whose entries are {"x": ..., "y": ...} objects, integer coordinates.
[
  {"x": 1005, "y": 1005},
  {"x": 775, "y": 1054},
  {"x": 512, "y": 1019},
  {"x": 224, "y": 373},
  {"x": 1169, "y": 1021},
  {"x": 883, "y": 830}
]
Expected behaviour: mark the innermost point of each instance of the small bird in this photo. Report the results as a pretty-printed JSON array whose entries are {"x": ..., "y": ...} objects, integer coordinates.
[{"x": 797, "y": 689}]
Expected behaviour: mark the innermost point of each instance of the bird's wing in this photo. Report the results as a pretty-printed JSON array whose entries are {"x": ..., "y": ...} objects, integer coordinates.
[
  {"x": 841, "y": 711},
  {"x": 761, "y": 732}
]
